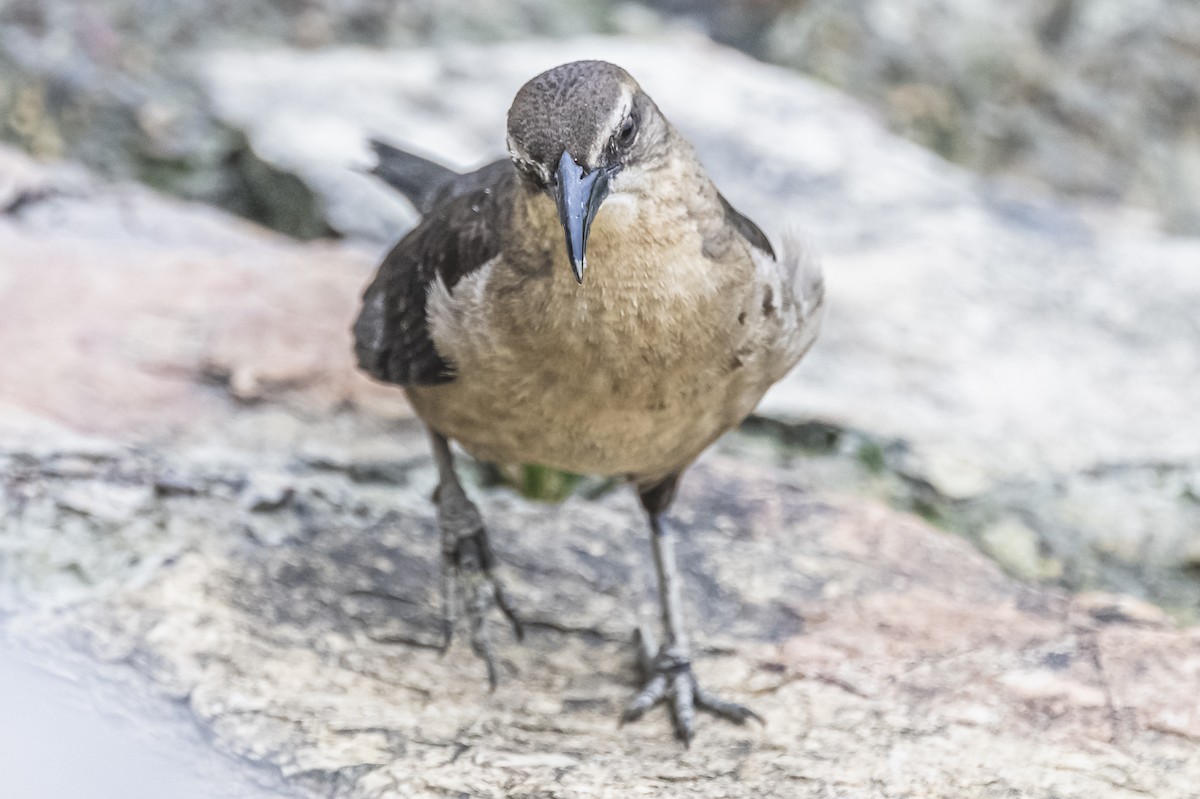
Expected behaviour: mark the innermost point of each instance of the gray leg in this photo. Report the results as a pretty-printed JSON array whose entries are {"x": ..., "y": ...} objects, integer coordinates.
[
  {"x": 467, "y": 559},
  {"x": 668, "y": 670}
]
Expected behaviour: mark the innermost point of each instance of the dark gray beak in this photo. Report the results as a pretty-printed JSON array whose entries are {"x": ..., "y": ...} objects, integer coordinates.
[{"x": 578, "y": 196}]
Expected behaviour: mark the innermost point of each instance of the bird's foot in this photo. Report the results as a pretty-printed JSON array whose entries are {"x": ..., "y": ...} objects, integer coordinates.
[
  {"x": 669, "y": 678},
  {"x": 468, "y": 568}
]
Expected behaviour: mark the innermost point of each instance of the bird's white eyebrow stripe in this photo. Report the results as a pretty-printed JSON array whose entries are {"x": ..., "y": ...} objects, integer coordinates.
[
  {"x": 624, "y": 105},
  {"x": 517, "y": 153}
]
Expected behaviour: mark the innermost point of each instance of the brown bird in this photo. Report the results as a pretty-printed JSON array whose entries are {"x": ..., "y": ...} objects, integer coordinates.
[{"x": 623, "y": 348}]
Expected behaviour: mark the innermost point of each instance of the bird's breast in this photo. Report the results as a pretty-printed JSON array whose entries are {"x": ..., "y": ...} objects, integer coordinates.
[{"x": 627, "y": 373}]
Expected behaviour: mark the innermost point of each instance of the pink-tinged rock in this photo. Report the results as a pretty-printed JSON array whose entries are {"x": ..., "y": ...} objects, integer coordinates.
[{"x": 133, "y": 315}]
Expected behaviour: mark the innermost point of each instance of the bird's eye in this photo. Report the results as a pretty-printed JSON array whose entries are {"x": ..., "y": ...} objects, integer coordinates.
[{"x": 628, "y": 132}]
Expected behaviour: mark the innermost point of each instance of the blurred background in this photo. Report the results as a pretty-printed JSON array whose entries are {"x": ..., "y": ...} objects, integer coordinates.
[
  {"x": 1095, "y": 101},
  {"x": 1006, "y": 197}
]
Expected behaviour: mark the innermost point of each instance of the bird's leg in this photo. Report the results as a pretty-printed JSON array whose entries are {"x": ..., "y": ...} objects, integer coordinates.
[
  {"x": 467, "y": 560},
  {"x": 667, "y": 670}
]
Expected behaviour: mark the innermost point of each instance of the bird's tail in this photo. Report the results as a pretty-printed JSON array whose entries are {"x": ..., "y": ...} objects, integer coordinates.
[{"x": 417, "y": 178}]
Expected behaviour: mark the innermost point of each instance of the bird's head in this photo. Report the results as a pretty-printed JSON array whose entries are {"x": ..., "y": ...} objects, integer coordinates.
[{"x": 571, "y": 130}]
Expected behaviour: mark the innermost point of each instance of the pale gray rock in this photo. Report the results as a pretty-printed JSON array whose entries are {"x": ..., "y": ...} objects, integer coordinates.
[
  {"x": 1096, "y": 100},
  {"x": 1002, "y": 354}
]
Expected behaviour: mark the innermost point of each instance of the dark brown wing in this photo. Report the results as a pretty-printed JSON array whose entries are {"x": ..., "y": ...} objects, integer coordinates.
[
  {"x": 458, "y": 236},
  {"x": 417, "y": 178},
  {"x": 428, "y": 184}
]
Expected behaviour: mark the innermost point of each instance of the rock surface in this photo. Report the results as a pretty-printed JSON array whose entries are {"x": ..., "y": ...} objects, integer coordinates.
[
  {"x": 888, "y": 659},
  {"x": 198, "y": 492},
  {"x": 1005, "y": 359},
  {"x": 120, "y": 285},
  {"x": 1095, "y": 100}
]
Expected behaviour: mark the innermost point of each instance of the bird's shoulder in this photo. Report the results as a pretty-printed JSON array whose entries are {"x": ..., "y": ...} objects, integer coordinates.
[
  {"x": 744, "y": 226},
  {"x": 785, "y": 305},
  {"x": 728, "y": 236},
  {"x": 460, "y": 234},
  {"x": 489, "y": 177}
]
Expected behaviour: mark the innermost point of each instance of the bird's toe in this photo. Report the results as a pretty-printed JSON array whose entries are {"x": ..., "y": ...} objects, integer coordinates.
[
  {"x": 732, "y": 711},
  {"x": 469, "y": 570},
  {"x": 669, "y": 680}
]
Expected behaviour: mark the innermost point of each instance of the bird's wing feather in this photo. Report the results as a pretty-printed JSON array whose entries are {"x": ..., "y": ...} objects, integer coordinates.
[
  {"x": 459, "y": 235},
  {"x": 743, "y": 225},
  {"x": 420, "y": 180},
  {"x": 791, "y": 286},
  {"x": 796, "y": 275},
  {"x": 428, "y": 184},
  {"x": 485, "y": 177}
]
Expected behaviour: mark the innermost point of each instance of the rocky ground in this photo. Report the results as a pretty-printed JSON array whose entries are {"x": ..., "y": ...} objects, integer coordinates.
[{"x": 200, "y": 495}]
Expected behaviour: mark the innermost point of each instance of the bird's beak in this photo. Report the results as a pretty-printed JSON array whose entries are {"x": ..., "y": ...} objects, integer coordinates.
[{"x": 578, "y": 195}]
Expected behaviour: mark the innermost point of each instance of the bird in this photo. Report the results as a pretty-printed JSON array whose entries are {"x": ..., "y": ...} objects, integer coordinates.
[{"x": 591, "y": 303}]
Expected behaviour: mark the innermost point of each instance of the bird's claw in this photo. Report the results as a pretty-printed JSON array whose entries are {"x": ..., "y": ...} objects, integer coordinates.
[
  {"x": 468, "y": 564},
  {"x": 669, "y": 678}
]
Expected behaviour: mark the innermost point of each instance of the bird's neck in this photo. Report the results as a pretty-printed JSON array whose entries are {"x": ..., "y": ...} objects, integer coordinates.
[{"x": 648, "y": 278}]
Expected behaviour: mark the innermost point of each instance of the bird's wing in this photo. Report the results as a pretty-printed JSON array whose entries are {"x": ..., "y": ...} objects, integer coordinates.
[
  {"x": 798, "y": 290},
  {"x": 458, "y": 236},
  {"x": 425, "y": 183},
  {"x": 790, "y": 290},
  {"x": 418, "y": 179},
  {"x": 744, "y": 226}
]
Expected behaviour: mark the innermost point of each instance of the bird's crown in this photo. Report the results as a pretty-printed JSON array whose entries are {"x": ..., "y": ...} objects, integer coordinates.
[{"x": 578, "y": 107}]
